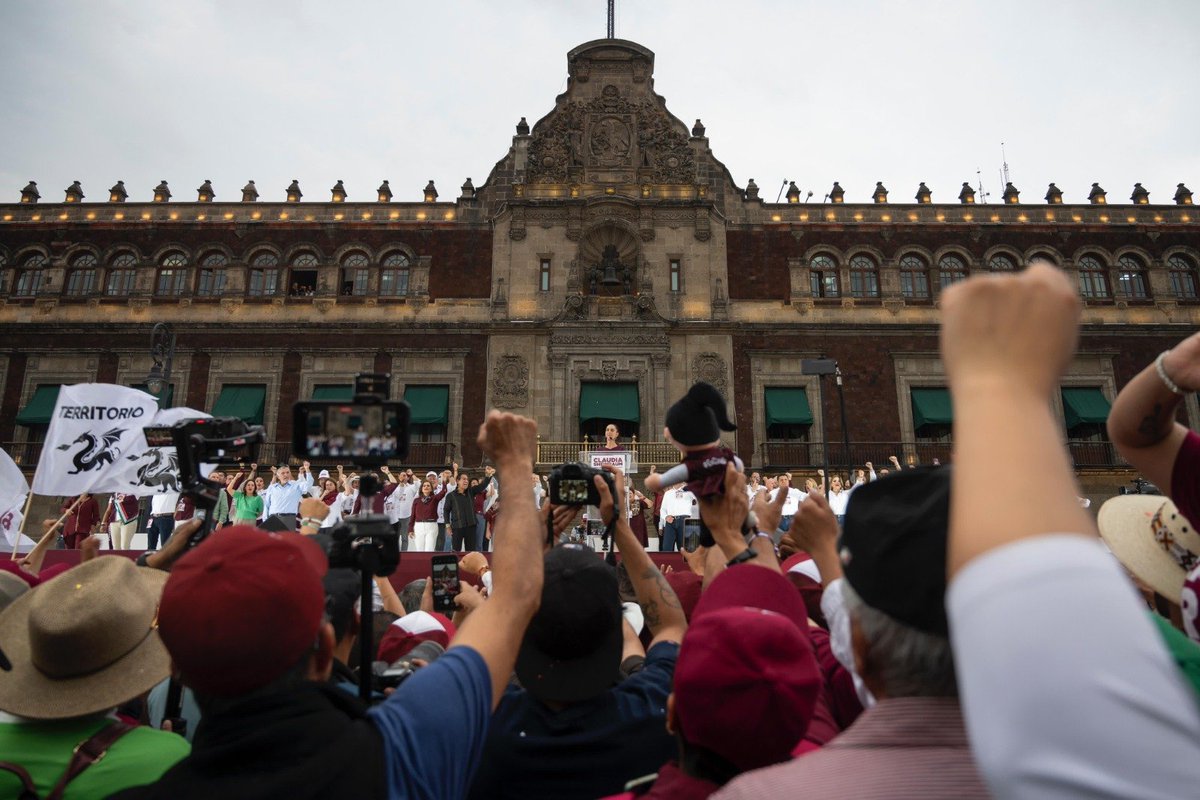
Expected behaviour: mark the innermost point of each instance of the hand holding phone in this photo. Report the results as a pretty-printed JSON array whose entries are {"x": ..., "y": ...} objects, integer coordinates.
[{"x": 445, "y": 582}]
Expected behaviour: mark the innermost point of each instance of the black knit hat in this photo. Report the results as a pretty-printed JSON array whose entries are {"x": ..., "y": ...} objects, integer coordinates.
[
  {"x": 893, "y": 546},
  {"x": 699, "y": 417}
]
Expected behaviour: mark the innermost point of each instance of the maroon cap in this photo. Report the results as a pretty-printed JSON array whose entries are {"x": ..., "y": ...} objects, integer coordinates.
[
  {"x": 410, "y": 630},
  {"x": 242, "y": 608},
  {"x": 747, "y": 679},
  {"x": 687, "y": 586}
]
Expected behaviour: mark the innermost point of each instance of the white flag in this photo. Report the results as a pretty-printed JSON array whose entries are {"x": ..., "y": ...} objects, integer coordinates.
[
  {"x": 13, "y": 486},
  {"x": 10, "y": 524},
  {"x": 94, "y": 426},
  {"x": 146, "y": 470}
]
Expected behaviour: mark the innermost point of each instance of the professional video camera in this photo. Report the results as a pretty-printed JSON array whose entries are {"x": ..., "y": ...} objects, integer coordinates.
[
  {"x": 215, "y": 441},
  {"x": 1140, "y": 486},
  {"x": 572, "y": 484},
  {"x": 366, "y": 431}
]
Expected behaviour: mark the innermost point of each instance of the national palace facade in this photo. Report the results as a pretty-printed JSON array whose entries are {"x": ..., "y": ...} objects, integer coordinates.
[{"x": 607, "y": 262}]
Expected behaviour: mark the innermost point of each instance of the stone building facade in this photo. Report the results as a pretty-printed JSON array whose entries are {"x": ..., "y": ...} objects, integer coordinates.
[{"x": 609, "y": 247}]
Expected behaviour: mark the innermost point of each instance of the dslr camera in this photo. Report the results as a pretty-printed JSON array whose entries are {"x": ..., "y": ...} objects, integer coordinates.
[{"x": 572, "y": 484}]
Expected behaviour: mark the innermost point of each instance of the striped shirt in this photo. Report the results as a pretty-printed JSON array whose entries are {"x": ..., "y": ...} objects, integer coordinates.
[{"x": 905, "y": 747}]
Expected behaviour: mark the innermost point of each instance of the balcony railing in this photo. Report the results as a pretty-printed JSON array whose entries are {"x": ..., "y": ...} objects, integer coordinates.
[
  {"x": 644, "y": 453},
  {"x": 808, "y": 455}
]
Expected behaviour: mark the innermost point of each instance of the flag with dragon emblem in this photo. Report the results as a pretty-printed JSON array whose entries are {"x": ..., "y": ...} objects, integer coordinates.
[
  {"x": 149, "y": 470},
  {"x": 94, "y": 427}
]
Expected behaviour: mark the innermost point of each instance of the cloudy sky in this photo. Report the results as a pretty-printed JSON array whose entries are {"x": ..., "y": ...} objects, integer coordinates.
[{"x": 145, "y": 90}]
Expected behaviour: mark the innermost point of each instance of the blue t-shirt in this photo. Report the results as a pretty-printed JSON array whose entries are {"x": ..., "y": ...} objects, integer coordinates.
[
  {"x": 587, "y": 750},
  {"x": 433, "y": 727}
]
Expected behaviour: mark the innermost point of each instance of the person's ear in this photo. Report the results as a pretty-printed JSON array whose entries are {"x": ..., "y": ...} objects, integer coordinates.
[{"x": 321, "y": 665}]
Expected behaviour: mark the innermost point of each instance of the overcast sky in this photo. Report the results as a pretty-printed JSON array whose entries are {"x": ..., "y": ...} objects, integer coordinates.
[{"x": 145, "y": 90}]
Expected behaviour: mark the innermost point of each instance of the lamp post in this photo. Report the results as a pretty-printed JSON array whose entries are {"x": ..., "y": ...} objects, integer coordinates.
[
  {"x": 822, "y": 367},
  {"x": 162, "y": 351}
]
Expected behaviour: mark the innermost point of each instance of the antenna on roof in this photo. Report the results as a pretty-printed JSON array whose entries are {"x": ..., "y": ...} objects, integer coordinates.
[
  {"x": 612, "y": 19},
  {"x": 781, "y": 188},
  {"x": 983, "y": 195},
  {"x": 1004, "y": 166}
]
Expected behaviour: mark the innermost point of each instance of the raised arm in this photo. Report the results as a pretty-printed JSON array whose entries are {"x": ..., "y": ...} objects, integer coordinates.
[
  {"x": 1142, "y": 421},
  {"x": 664, "y": 614},
  {"x": 495, "y": 630}
]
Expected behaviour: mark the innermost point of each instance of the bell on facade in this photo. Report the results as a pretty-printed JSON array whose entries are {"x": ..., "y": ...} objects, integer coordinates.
[{"x": 610, "y": 263}]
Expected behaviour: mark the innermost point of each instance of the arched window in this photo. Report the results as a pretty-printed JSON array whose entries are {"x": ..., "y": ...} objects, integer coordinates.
[
  {"x": 1132, "y": 280},
  {"x": 1183, "y": 277},
  {"x": 212, "y": 275},
  {"x": 81, "y": 278},
  {"x": 264, "y": 275},
  {"x": 29, "y": 275},
  {"x": 864, "y": 277},
  {"x": 121, "y": 273},
  {"x": 356, "y": 274},
  {"x": 393, "y": 278},
  {"x": 304, "y": 275},
  {"x": 914, "y": 277},
  {"x": 823, "y": 277},
  {"x": 951, "y": 270},
  {"x": 1043, "y": 256},
  {"x": 1002, "y": 262},
  {"x": 1093, "y": 280},
  {"x": 172, "y": 275}
]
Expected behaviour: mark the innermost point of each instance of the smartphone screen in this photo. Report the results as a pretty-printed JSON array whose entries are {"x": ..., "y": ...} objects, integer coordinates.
[
  {"x": 691, "y": 535},
  {"x": 445, "y": 582}
]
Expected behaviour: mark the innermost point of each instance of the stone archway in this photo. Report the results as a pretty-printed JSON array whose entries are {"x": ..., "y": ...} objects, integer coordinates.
[{"x": 609, "y": 248}]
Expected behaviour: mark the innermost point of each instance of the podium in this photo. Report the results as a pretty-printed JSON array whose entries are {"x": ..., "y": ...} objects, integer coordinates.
[{"x": 625, "y": 459}]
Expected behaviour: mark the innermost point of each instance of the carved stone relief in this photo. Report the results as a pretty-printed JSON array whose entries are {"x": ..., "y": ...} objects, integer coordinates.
[
  {"x": 510, "y": 382},
  {"x": 710, "y": 368}
]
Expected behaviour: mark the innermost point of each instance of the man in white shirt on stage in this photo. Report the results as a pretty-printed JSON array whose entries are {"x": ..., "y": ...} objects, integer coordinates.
[
  {"x": 676, "y": 508},
  {"x": 283, "y": 496}
]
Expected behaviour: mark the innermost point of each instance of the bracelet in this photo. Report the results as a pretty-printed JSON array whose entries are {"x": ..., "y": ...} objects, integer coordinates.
[
  {"x": 311, "y": 522},
  {"x": 742, "y": 557},
  {"x": 1162, "y": 375}
]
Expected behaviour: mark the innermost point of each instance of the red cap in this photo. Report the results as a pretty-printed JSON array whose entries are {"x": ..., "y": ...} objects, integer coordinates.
[
  {"x": 242, "y": 608},
  {"x": 748, "y": 648},
  {"x": 410, "y": 630}
]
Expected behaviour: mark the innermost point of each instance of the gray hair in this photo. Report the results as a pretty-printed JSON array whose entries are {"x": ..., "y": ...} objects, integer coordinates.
[
  {"x": 909, "y": 662},
  {"x": 410, "y": 595}
]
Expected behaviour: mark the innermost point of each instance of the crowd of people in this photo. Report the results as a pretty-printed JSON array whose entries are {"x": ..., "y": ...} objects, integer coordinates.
[{"x": 937, "y": 632}]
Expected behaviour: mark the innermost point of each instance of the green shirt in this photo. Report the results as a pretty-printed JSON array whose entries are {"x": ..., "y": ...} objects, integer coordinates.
[
  {"x": 247, "y": 507},
  {"x": 1184, "y": 652},
  {"x": 44, "y": 750}
]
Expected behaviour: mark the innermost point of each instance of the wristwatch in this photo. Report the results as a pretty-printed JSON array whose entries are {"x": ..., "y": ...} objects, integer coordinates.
[{"x": 742, "y": 557}]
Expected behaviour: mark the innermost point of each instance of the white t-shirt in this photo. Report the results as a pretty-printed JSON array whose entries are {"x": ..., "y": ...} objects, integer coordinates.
[
  {"x": 1067, "y": 689},
  {"x": 404, "y": 497}
]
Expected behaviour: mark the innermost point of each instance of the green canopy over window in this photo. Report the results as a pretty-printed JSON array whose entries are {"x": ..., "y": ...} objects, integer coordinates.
[
  {"x": 931, "y": 407},
  {"x": 430, "y": 405},
  {"x": 343, "y": 392},
  {"x": 1084, "y": 405},
  {"x": 787, "y": 405},
  {"x": 165, "y": 400},
  {"x": 40, "y": 407},
  {"x": 244, "y": 402},
  {"x": 609, "y": 401}
]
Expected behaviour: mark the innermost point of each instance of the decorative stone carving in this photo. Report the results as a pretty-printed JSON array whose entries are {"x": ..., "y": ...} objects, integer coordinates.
[
  {"x": 510, "y": 382},
  {"x": 556, "y": 360},
  {"x": 575, "y": 307},
  {"x": 660, "y": 360},
  {"x": 615, "y": 339},
  {"x": 703, "y": 231},
  {"x": 608, "y": 370},
  {"x": 516, "y": 227},
  {"x": 710, "y": 368},
  {"x": 609, "y": 132}
]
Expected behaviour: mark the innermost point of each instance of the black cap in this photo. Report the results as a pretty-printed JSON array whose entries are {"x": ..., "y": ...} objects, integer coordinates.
[
  {"x": 572, "y": 648},
  {"x": 699, "y": 417},
  {"x": 893, "y": 546}
]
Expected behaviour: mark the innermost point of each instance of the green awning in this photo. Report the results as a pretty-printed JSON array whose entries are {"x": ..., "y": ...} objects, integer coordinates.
[
  {"x": 787, "y": 405},
  {"x": 1083, "y": 405},
  {"x": 931, "y": 407},
  {"x": 430, "y": 405},
  {"x": 609, "y": 401},
  {"x": 168, "y": 396},
  {"x": 40, "y": 407},
  {"x": 343, "y": 392},
  {"x": 244, "y": 402}
]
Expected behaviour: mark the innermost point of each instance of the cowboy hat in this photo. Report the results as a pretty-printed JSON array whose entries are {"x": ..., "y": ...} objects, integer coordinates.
[
  {"x": 83, "y": 642},
  {"x": 1154, "y": 541}
]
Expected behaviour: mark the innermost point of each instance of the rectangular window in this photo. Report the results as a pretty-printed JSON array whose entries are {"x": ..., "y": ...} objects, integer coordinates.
[
  {"x": 393, "y": 282},
  {"x": 676, "y": 275},
  {"x": 120, "y": 282},
  {"x": 544, "y": 276},
  {"x": 81, "y": 282},
  {"x": 171, "y": 282},
  {"x": 28, "y": 282},
  {"x": 212, "y": 283},
  {"x": 354, "y": 282},
  {"x": 263, "y": 282}
]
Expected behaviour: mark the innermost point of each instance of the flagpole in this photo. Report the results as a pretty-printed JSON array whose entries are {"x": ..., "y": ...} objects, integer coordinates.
[
  {"x": 21, "y": 530},
  {"x": 43, "y": 543}
]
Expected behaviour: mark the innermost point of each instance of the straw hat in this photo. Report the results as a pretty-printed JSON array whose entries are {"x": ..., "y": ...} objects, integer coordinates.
[
  {"x": 83, "y": 642},
  {"x": 1154, "y": 541}
]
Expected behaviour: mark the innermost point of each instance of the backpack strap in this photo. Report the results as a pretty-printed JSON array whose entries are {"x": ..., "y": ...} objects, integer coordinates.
[
  {"x": 88, "y": 752},
  {"x": 29, "y": 792}
]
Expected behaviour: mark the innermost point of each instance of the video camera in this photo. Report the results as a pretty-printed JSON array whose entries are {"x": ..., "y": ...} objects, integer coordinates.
[
  {"x": 572, "y": 484},
  {"x": 216, "y": 441},
  {"x": 1140, "y": 486}
]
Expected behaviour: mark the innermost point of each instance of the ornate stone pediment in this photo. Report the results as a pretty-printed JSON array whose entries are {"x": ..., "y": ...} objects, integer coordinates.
[{"x": 510, "y": 382}]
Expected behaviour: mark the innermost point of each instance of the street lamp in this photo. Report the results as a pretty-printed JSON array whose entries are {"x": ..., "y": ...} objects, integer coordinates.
[
  {"x": 162, "y": 351},
  {"x": 822, "y": 367}
]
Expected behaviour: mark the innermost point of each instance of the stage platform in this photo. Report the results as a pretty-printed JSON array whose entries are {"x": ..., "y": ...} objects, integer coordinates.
[{"x": 413, "y": 565}]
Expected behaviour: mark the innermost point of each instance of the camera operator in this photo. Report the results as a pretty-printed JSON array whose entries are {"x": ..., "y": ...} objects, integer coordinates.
[{"x": 273, "y": 726}]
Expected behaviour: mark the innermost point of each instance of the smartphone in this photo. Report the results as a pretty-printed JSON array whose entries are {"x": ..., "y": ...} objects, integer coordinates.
[
  {"x": 366, "y": 433},
  {"x": 691, "y": 535},
  {"x": 445, "y": 582}
]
